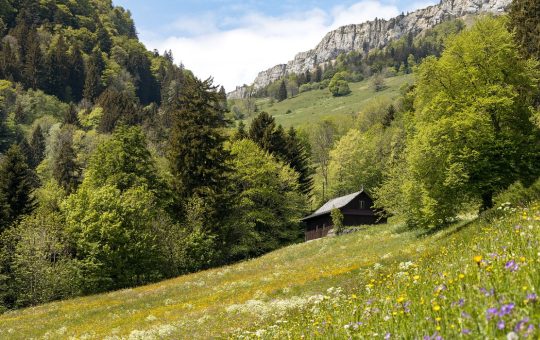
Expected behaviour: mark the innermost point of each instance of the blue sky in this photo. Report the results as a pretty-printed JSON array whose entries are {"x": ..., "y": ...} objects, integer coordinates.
[{"x": 232, "y": 40}]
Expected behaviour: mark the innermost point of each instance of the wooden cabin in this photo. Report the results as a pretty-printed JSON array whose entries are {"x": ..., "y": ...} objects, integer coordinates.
[{"x": 357, "y": 209}]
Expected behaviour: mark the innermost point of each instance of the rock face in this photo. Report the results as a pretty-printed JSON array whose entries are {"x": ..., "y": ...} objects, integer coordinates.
[{"x": 376, "y": 34}]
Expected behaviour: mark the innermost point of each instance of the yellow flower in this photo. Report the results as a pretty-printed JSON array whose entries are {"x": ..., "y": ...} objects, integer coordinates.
[
  {"x": 438, "y": 319},
  {"x": 438, "y": 328},
  {"x": 354, "y": 296},
  {"x": 416, "y": 277},
  {"x": 477, "y": 259},
  {"x": 522, "y": 259},
  {"x": 436, "y": 308},
  {"x": 400, "y": 299},
  {"x": 461, "y": 276}
]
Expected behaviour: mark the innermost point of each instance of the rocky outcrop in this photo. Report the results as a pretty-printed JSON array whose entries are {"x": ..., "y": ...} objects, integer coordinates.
[{"x": 377, "y": 34}]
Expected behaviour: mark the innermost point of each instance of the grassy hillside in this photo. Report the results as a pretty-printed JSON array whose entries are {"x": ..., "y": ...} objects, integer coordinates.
[
  {"x": 381, "y": 280},
  {"x": 312, "y": 106}
]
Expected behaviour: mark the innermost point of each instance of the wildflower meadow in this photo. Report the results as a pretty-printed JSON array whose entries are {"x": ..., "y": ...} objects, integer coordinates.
[{"x": 476, "y": 279}]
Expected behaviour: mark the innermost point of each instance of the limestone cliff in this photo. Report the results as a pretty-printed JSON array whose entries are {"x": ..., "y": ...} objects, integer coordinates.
[{"x": 376, "y": 34}]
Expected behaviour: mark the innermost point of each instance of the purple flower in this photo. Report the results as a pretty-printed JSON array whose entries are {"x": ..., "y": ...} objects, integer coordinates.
[
  {"x": 532, "y": 297},
  {"x": 511, "y": 266},
  {"x": 465, "y": 315},
  {"x": 486, "y": 292},
  {"x": 466, "y": 331},
  {"x": 387, "y": 336},
  {"x": 500, "y": 324},
  {"x": 521, "y": 325},
  {"x": 506, "y": 309},
  {"x": 491, "y": 313}
]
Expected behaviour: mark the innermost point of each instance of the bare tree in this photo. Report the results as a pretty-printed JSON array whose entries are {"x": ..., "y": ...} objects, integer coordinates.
[{"x": 322, "y": 140}]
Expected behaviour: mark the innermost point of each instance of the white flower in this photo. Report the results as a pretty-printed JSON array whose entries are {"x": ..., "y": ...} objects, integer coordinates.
[{"x": 512, "y": 336}]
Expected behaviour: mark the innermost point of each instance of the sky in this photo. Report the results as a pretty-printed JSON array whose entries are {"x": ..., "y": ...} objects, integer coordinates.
[{"x": 233, "y": 40}]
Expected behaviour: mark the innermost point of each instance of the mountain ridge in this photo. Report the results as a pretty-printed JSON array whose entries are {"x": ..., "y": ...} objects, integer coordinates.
[{"x": 373, "y": 34}]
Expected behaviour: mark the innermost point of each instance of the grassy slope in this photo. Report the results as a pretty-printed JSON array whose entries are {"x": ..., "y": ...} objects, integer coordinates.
[
  {"x": 316, "y": 105},
  {"x": 285, "y": 284}
]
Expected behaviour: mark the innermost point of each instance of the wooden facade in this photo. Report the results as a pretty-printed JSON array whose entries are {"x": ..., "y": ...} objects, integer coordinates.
[{"x": 357, "y": 209}]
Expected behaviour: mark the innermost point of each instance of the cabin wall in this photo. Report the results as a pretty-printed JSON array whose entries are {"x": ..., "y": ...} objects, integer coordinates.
[{"x": 358, "y": 212}]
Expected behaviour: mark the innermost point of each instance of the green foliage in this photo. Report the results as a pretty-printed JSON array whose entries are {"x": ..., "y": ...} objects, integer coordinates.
[
  {"x": 337, "y": 220},
  {"x": 525, "y": 22},
  {"x": 270, "y": 204},
  {"x": 43, "y": 269},
  {"x": 472, "y": 134},
  {"x": 359, "y": 159},
  {"x": 65, "y": 168},
  {"x": 195, "y": 152},
  {"x": 17, "y": 183},
  {"x": 339, "y": 86},
  {"x": 378, "y": 83},
  {"x": 37, "y": 147},
  {"x": 124, "y": 162},
  {"x": 282, "y": 92},
  {"x": 112, "y": 235},
  {"x": 285, "y": 146}
]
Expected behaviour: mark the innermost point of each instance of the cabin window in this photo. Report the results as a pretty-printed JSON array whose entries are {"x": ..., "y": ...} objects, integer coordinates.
[{"x": 362, "y": 204}]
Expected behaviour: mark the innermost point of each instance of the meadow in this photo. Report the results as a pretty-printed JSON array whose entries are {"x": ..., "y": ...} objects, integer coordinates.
[
  {"x": 316, "y": 105},
  {"x": 478, "y": 278}
]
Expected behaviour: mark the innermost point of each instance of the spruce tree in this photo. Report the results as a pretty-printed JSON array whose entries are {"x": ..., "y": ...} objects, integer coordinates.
[
  {"x": 92, "y": 83},
  {"x": 70, "y": 116},
  {"x": 261, "y": 130},
  {"x": 119, "y": 107},
  {"x": 37, "y": 147},
  {"x": 282, "y": 92},
  {"x": 285, "y": 146},
  {"x": 223, "y": 96},
  {"x": 103, "y": 39},
  {"x": 76, "y": 74},
  {"x": 66, "y": 171},
  {"x": 16, "y": 187},
  {"x": 240, "y": 132},
  {"x": 32, "y": 70},
  {"x": 196, "y": 153},
  {"x": 298, "y": 158},
  {"x": 525, "y": 22}
]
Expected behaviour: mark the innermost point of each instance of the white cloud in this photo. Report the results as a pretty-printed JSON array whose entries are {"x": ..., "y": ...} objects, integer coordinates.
[{"x": 234, "y": 56}]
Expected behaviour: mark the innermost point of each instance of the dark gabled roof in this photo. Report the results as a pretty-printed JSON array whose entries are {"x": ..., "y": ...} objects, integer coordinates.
[{"x": 336, "y": 203}]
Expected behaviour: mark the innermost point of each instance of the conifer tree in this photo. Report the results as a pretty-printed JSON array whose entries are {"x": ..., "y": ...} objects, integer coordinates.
[
  {"x": 76, "y": 74},
  {"x": 196, "y": 151},
  {"x": 65, "y": 168},
  {"x": 37, "y": 147},
  {"x": 282, "y": 92},
  {"x": 103, "y": 39},
  {"x": 119, "y": 107},
  {"x": 70, "y": 116},
  {"x": 223, "y": 97},
  {"x": 525, "y": 22},
  {"x": 261, "y": 130},
  {"x": 33, "y": 75},
  {"x": 92, "y": 82},
  {"x": 298, "y": 159},
  {"x": 240, "y": 132},
  {"x": 16, "y": 186},
  {"x": 19, "y": 115}
]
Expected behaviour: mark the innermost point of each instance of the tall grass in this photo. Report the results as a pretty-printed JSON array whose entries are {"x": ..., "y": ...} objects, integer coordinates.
[{"x": 477, "y": 279}]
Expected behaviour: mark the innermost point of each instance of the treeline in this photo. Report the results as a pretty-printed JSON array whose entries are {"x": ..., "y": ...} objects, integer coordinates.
[
  {"x": 464, "y": 133},
  {"x": 126, "y": 174}
]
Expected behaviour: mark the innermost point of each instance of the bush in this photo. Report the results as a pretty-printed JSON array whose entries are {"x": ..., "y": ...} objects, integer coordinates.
[{"x": 339, "y": 88}]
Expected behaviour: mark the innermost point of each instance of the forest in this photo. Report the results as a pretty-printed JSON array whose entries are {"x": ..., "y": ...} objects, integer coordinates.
[{"x": 120, "y": 168}]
